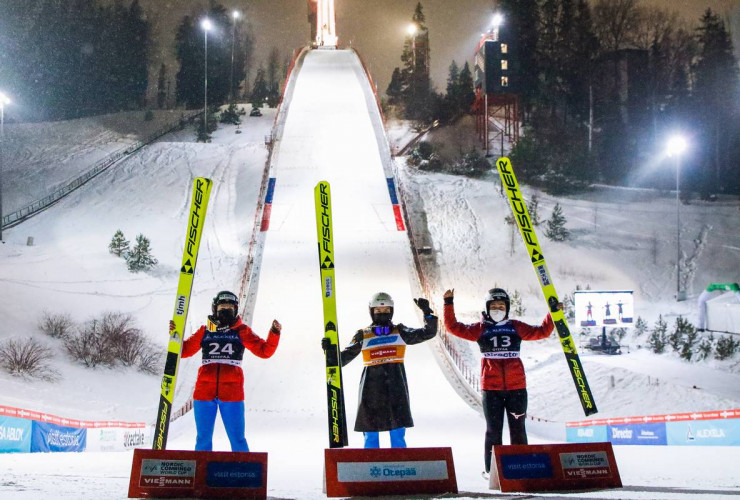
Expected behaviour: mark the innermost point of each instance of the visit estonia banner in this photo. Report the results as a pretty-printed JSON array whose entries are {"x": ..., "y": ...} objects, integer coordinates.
[{"x": 52, "y": 437}]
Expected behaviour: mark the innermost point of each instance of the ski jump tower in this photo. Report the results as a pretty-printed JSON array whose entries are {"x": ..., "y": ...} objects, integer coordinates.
[
  {"x": 322, "y": 17},
  {"x": 496, "y": 103}
]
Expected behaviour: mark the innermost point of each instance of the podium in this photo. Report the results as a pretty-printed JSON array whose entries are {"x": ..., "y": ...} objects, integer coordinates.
[
  {"x": 554, "y": 467},
  {"x": 198, "y": 474}
]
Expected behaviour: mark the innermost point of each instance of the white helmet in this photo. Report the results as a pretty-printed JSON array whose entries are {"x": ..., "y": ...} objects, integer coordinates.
[{"x": 380, "y": 299}]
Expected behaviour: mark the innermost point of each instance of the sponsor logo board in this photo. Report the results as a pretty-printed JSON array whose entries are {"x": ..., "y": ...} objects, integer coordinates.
[
  {"x": 234, "y": 475},
  {"x": 527, "y": 466},
  {"x": 427, "y": 470}
]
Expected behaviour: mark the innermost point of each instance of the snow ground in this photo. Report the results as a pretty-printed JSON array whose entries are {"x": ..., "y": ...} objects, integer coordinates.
[{"x": 328, "y": 135}]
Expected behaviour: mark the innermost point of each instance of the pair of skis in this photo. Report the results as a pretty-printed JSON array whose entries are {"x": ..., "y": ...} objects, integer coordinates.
[{"x": 196, "y": 221}]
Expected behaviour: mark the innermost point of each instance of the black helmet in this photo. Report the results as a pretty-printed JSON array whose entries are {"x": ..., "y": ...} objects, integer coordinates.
[
  {"x": 495, "y": 294},
  {"x": 224, "y": 297}
]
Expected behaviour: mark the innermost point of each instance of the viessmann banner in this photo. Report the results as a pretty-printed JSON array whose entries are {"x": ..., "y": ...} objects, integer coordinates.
[{"x": 718, "y": 428}]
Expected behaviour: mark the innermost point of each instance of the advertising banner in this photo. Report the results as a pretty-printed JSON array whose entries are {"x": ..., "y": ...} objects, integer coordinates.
[
  {"x": 15, "y": 435},
  {"x": 591, "y": 434},
  {"x": 642, "y": 434},
  {"x": 704, "y": 432},
  {"x": 52, "y": 437},
  {"x": 117, "y": 438}
]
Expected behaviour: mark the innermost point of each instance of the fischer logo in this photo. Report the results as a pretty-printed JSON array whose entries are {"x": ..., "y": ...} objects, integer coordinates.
[
  {"x": 195, "y": 216},
  {"x": 517, "y": 204},
  {"x": 335, "y": 416},
  {"x": 581, "y": 382},
  {"x": 162, "y": 427},
  {"x": 325, "y": 218}
]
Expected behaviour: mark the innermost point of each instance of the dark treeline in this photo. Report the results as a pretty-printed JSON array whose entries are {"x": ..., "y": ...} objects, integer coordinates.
[
  {"x": 225, "y": 36},
  {"x": 643, "y": 73},
  {"x": 67, "y": 59}
]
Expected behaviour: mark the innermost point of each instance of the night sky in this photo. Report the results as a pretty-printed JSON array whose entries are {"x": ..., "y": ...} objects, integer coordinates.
[{"x": 375, "y": 27}]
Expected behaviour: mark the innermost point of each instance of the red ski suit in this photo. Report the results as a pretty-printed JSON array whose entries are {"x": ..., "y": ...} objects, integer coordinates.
[
  {"x": 222, "y": 381},
  {"x": 498, "y": 374}
]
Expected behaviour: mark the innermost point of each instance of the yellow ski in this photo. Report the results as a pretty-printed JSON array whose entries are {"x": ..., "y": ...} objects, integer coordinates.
[
  {"x": 196, "y": 221},
  {"x": 334, "y": 391},
  {"x": 521, "y": 214}
]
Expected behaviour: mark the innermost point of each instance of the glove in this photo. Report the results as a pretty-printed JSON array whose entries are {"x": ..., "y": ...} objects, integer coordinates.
[
  {"x": 423, "y": 304},
  {"x": 325, "y": 343}
]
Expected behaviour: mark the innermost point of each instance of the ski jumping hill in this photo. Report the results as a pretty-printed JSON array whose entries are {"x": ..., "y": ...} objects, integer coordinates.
[{"x": 331, "y": 130}]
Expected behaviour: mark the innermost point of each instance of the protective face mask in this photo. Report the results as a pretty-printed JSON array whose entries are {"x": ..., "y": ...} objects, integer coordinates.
[
  {"x": 383, "y": 318},
  {"x": 497, "y": 314},
  {"x": 226, "y": 317}
]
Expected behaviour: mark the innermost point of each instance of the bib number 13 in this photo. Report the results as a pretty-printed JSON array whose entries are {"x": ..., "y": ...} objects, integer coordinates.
[{"x": 503, "y": 341}]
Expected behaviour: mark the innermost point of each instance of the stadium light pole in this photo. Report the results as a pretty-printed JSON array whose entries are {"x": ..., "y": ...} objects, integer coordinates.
[
  {"x": 498, "y": 20},
  {"x": 206, "y": 25},
  {"x": 676, "y": 147},
  {"x": 3, "y": 101},
  {"x": 234, "y": 16}
]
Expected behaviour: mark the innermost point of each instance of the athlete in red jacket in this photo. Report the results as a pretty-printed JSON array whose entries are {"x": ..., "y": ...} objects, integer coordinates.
[
  {"x": 220, "y": 382},
  {"x": 503, "y": 383}
]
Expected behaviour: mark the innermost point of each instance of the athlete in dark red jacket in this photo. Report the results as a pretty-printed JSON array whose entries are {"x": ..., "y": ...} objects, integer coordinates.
[
  {"x": 220, "y": 382},
  {"x": 503, "y": 383}
]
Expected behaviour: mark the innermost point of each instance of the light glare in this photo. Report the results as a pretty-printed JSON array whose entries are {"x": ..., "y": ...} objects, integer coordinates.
[
  {"x": 236, "y": 14},
  {"x": 206, "y": 24},
  {"x": 498, "y": 20},
  {"x": 4, "y": 99},
  {"x": 411, "y": 29},
  {"x": 676, "y": 146}
]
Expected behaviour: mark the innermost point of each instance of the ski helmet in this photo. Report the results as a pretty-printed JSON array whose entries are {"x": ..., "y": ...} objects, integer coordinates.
[
  {"x": 380, "y": 299},
  {"x": 224, "y": 297},
  {"x": 498, "y": 294}
]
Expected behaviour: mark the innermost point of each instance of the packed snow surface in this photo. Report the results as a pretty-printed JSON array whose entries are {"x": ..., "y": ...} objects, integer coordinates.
[{"x": 328, "y": 135}]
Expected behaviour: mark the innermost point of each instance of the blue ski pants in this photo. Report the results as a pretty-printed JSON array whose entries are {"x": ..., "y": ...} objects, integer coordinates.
[
  {"x": 232, "y": 415},
  {"x": 398, "y": 438}
]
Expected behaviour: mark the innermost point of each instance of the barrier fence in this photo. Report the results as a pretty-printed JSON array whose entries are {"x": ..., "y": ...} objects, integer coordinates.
[
  {"x": 14, "y": 218},
  {"x": 27, "y": 431},
  {"x": 711, "y": 428}
]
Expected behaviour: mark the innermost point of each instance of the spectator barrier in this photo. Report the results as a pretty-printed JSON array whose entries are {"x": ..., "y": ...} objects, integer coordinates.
[
  {"x": 25, "y": 431},
  {"x": 709, "y": 428}
]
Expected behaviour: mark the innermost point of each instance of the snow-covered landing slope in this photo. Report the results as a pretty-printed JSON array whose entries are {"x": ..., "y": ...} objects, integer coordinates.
[{"x": 69, "y": 269}]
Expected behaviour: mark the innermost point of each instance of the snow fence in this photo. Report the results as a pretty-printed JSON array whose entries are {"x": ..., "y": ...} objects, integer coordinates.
[{"x": 25, "y": 431}]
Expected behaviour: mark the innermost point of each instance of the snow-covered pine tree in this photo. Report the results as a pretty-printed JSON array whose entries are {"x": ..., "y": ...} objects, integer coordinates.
[
  {"x": 556, "y": 229},
  {"x": 706, "y": 344},
  {"x": 534, "y": 210},
  {"x": 119, "y": 245},
  {"x": 726, "y": 347},
  {"x": 517, "y": 307},
  {"x": 657, "y": 340},
  {"x": 640, "y": 327},
  {"x": 688, "y": 337},
  {"x": 140, "y": 258}
]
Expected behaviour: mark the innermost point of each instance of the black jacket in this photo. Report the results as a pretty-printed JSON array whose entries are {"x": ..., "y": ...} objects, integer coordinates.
[{"x": 384, "y": 393}]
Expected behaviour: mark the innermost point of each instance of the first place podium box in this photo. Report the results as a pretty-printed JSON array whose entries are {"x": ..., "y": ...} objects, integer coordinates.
[
  {"x": 554, "y": 467},
  {"x": 197, "y": 474},
  {"x": 388, "y": 471}
]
